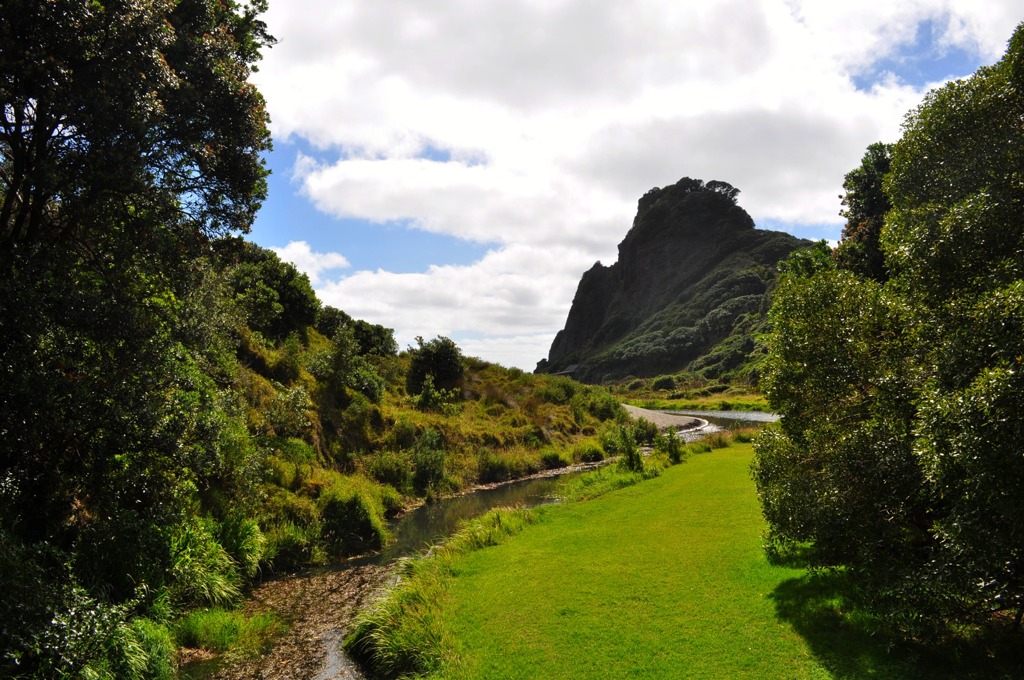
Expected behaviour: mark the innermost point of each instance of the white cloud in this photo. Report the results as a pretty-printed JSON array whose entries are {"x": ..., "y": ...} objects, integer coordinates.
[
  {"x": 310, "y": 263},
  {"x": 559, "y": 115}
]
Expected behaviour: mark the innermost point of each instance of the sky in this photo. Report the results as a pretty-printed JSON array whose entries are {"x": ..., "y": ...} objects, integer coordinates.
[{"x": 453, "y": 167}]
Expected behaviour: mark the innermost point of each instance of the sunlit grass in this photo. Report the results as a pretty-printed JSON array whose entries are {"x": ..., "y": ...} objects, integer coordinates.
[
  {"x": 220, "y": 630},
  {"x": 717, "y": 402},
  {"x": 663, "y": 579}
]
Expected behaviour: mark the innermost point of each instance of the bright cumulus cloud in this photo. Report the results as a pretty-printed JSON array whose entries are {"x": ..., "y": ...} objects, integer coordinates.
[
  {"x": 310, "y": 263},
  {"x": 534, "y": 126}
]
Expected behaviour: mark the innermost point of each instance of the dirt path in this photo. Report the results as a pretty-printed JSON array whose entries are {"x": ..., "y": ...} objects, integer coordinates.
[{"x": 665, "y": 421}]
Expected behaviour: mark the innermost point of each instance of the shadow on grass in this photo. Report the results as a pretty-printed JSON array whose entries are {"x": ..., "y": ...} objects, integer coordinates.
[{"x": 852, "y": 645}]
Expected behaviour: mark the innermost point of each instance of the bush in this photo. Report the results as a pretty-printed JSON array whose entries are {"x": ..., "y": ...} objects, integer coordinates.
[
  {"x": 552, "y": 460},
  {"x": 671, "y": 445},
  {"x": 558, "y": 390},
  {"x": 587, "y": 452},
  {"x": 429, "y": 462},
  {"x": 289, "y": 545},
  {"x": 221, "y": 631},
  {"x": 157, "y": 644},
  {"x": 202, "y": 571},
  {"x": 608, "y": 436},
  {"x": 440, "y": 358},
  {"x": 353, "y": 519},
  {"x": 244, "y": 542},
  {"x": 394, "y": 468},
  {"x": 437, "y": 399},
  {"x": 665, "y": 382},
  {"x": 631, "y": 458},
  {"x": 644, "y": 431},
  {"x": 718, "y": 440},
  {"x": 493, "y": 466},
  {"x": 596, "y": 401}
]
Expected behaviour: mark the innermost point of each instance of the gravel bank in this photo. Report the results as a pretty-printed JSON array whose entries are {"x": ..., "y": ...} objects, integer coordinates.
[{"x": 664, "y": 421}]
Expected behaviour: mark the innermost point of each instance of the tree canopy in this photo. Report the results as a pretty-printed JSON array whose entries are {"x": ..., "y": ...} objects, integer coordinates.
[{"x": 899, "y": 452}]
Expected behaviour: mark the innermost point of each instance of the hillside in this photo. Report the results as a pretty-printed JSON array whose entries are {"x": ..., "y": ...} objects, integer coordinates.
[{"x": 688, "y": 291}]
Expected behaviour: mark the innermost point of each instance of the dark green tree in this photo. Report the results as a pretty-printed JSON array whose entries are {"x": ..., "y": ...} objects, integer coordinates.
[
  {"x": 866, "y": 206},
  {"x": 899, "y": 452},
  {"x": 129, "y": 136},
  {"x": 440, "y": 358},
  {"x": 276, "y": 298}
]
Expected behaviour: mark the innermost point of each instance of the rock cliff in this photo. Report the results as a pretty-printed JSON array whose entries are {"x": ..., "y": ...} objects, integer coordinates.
[{"x": 688, "y": 291}]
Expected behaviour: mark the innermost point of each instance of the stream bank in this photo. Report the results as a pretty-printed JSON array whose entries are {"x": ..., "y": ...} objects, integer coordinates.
[{"x": 320, "y": 603}]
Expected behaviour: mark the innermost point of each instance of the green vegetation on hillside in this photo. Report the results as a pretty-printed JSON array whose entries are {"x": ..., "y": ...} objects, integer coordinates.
[
  {"x": 898, "y": 456},
  {"x": 180, "y": 414}
]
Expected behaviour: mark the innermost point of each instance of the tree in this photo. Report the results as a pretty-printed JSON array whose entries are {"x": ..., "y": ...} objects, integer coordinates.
[
  {"x": 866, "y": 206},
  {"x": 277, "y": 298},
  {"x": 899, "y": 452},
  {"x": 129, "y": 136},
  {"x": 132, "y": 113},
  {"x": 439, "y": 358}
]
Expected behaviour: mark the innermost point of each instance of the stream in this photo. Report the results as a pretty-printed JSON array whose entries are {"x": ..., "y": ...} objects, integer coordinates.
[{"x": 320, "y": 603}]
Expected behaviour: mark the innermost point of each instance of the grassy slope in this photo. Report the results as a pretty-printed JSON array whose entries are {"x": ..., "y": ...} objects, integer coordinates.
[{"x": 665, "y": 579}]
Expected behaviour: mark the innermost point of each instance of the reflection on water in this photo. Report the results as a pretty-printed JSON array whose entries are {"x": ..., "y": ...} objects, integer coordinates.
[{"x": 418, "y": 529}]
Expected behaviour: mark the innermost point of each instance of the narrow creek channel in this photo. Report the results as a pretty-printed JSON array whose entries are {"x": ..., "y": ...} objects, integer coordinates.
[{"x": 320, "y": 603}]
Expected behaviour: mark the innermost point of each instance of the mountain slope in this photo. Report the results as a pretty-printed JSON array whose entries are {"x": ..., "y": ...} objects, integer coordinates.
[{"x": 687, "y": 292}]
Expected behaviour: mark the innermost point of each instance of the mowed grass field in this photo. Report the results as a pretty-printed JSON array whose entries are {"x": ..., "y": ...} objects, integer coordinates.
[{"x": 665, "y": 579}]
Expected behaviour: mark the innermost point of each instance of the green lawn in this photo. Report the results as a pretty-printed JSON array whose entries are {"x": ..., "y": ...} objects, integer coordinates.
[{"x": 665, "y": 579}]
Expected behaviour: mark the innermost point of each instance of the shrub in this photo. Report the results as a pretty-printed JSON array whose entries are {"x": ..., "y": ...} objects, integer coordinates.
[
  {"x": 293, "y": 450},
  {"x": 429, "y": 462},
  {"x": 558, "y": 390},
  {"x": 718, "y": 440},
  {"x": 665, "y": 382},
  {"x": 437, "y": 399},
  {"x": 644, "y": 431},
  {"x": 289, "y": 545},
  {"x": 631, "y": 458},
  {"x": 353, "y": 519},
  {"x": 499, "y": 467},
  {"x": 202, "y": 571},
  {"x": 596, "y": 401},
  {"x": 608, "y": 437},
  {"x": 157, "y": 644},
  {"x": 244, "y": 542},
  {"x": 221, "y": 631},
  {"x": 587, "y": 452},
  {"x": 440, "y": 358},
  {"x": 553, "y": 460},
  {"x": 670, "y": 444},
  {"x": 395, "y": 468}
]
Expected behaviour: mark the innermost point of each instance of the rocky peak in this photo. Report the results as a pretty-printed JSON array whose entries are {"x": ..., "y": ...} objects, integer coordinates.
[{"x": 691, "y": 250}]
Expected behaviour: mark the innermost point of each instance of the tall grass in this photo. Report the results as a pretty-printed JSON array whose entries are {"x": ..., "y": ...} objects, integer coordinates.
[
  {"x": 220, "y": 630},
  {"x": 401, "y": 634}
]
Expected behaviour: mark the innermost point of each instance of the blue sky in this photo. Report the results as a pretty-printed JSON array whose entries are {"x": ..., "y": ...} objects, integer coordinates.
[{"x": 452, "y": 168}]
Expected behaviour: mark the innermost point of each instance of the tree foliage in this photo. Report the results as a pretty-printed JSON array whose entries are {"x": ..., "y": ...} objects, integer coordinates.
[
  {"x": 277, "y": 298},
  {"x": 866, "y": 206},
  {"x": 439, "y": 358},
  {"x": 129, "y": 135},
  {"x": 899, "y": 453}
]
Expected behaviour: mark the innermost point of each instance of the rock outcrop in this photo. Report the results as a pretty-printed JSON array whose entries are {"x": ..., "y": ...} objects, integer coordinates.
[{"x": 687, "y": 292}]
